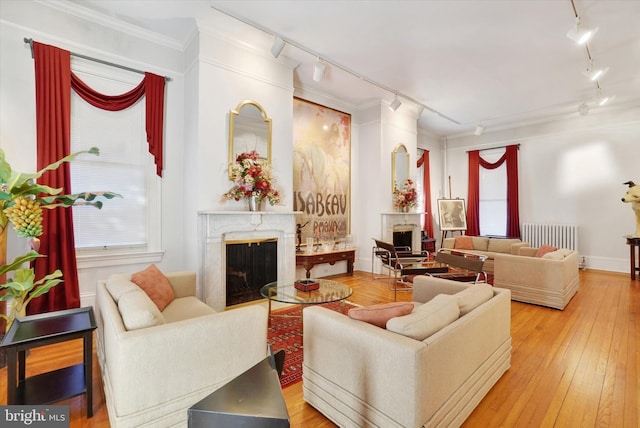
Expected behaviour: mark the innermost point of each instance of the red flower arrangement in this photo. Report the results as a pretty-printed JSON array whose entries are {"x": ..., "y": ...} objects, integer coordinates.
[
  {"x": 252, "y": 178},
  {"x": 406, "y": 197}
]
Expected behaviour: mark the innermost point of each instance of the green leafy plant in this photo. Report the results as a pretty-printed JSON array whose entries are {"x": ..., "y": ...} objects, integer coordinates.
[{"x": 22, "y": 200}]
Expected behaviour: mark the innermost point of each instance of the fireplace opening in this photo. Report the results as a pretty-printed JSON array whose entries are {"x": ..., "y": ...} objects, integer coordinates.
[
  {"x": 403, "y": 238},
  {"x": 250, "y": 265}
]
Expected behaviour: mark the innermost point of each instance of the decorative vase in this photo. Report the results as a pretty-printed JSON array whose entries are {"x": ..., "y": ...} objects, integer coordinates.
[{"x": 255, "y": 204}]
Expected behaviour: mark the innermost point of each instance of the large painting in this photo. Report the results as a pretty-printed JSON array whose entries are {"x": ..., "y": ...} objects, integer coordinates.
[
  {"x": 453, "y": 215},
  {"x": 321, "y": 168}
]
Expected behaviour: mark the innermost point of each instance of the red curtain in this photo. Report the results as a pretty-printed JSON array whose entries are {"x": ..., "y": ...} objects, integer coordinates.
[
  {"x": 54, "y": 81},
  {"x": 426, "y": 183},
  {"x": 53, "y": 107},
  {"x": 473, "y": 206},
  {"x": 152, "y": 86}
]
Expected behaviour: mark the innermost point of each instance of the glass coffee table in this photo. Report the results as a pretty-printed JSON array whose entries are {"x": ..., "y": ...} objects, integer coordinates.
[{"x": 328, "y": 291}]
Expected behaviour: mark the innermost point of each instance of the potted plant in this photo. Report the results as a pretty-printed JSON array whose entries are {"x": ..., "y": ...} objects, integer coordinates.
[
  {"x": 253, "y": 181},
  {"x": 22, "y": 200}
]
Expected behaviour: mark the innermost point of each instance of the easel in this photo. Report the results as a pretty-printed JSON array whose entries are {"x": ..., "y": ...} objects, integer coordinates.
[{"x": 445, "y": 232}]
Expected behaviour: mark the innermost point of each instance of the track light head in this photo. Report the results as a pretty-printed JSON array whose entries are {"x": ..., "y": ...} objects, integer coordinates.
[
  {"x": 581, "y": 35},
  {"x": 583, "y": 109},
  {"x": 595, "y": 73},
  {"x": 395, "y": 104},
  {"x": 318, "y": 71},
  {"x": 278, "y": 45}
]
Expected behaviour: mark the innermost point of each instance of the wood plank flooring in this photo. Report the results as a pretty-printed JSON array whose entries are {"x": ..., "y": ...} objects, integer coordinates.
[{"x": 573, "y": 368}]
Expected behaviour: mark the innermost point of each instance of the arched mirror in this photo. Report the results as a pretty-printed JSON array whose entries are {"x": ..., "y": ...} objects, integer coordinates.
[
  {"x": 399, "y": 167},
  {"x": 249, "y": 129}
]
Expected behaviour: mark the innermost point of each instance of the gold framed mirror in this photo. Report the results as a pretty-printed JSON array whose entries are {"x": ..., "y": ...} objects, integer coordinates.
[
  {"x": 399, "y": 167},
  {"x": 249, "y": 129}
]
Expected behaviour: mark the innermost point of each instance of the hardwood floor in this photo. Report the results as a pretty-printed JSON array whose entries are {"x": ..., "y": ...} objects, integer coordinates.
[{"x": 577, "y": 367}]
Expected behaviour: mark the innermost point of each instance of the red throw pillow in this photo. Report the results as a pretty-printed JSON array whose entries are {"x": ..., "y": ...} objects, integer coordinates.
[
  {"x": 378, "y": 315},
  {"x": 544, "y": 249},
  {"x": 156, "y": 285},
  {"x": 463, "y": 243}
]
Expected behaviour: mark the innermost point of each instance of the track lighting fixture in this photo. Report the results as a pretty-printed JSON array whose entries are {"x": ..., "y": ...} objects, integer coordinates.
[
  {"x": 278, "y": 45},
  {"x": 595, "y": 73},
  {"x": 479, "y": 129},
  {"x": 583, "y": 109},
  {"x": 579, "y": 34},
  {"x": 318, "y": 71},
  {"x": 395, "y": 104}
]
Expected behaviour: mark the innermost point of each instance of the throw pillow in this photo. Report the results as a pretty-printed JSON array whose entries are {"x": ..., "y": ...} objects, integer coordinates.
[
  {"x": 138, "y": 311},
  {"x": 544, "y": 249},
  {"x": 426, "y": 319},
  {"x": 463, "y": 243},
  {"x": 473, "y": 296},
  {"x": 156, "y": 285},
  {"x": 118, "y": 285},
  {"x": 378, "y": 315}
]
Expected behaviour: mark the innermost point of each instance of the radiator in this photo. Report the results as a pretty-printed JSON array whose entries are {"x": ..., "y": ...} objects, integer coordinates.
[{"x": 557, "y": 235}]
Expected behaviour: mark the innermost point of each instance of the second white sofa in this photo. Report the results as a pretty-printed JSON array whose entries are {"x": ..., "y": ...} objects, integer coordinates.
[{"x": 360, "y": 375}]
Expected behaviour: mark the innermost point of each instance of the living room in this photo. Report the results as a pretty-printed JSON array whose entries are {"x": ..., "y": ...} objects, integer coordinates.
[{"x": 572, "y": 167}]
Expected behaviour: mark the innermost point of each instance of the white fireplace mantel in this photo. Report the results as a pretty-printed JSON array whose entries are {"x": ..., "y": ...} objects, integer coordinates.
[
  {"x": 395, "y": 221},
  {"x": 215, "y": 228}
]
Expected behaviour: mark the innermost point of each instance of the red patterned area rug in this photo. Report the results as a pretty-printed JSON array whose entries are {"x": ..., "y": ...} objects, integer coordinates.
[{"x": 286, "y": 333}]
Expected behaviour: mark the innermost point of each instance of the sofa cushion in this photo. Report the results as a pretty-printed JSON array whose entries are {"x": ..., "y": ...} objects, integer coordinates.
[
  {"x": 426, "y": 319},
  {"x": 558, "y": 254},
  {"x": 463, "y": 243},
  {"x": 118, "y": 285},
  {"x": 544, "y": 249},
  {"x": 378, "y": 315},
  {"x": 138, "y": 311},
  {"x": 473, "y": 296},
  {"x": 502, "y": 245},
  {"x": 480, "y": 243},
  {"x": 156, "y": 285},
  {"x": 186, "y": 308}
]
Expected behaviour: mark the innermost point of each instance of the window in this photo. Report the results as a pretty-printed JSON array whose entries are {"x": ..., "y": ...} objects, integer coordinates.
[
  {"x": 493, "y": 196},
  {"x": 127, "y": 225}
]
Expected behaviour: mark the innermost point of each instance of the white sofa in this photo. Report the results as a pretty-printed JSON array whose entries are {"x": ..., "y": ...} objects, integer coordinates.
[
  {"x": 153, "y": 375},
  {"x": 489, "y": 247},
  {"x": 551, "y": 280},
  {"x": 360, "y": 375}
]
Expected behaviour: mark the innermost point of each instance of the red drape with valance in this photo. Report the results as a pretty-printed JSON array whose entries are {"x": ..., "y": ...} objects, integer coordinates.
[
  {"x": 54, "y": 81},
  {"x": 510, "y": 156},
  {"x": 426, "y": 183}
]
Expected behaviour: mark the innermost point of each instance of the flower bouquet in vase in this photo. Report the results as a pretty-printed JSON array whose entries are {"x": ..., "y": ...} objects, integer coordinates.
[
  {"x": 252, "y": 181},
  {"x": 406, "y": 197}
]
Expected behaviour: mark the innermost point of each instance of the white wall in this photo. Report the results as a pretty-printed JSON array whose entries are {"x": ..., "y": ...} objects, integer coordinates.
[{"x": 571, "y": 172}]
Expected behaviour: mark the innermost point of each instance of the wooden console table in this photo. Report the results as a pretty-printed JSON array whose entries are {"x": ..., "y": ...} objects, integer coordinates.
[
  {"x": 634, "y": 244},
  {"x": 309, "y": 260},
  {"x": 44, "y": 329}
]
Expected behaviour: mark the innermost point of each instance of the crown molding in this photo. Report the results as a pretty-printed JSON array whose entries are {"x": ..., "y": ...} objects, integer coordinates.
[{"x": 87, "y": 14}]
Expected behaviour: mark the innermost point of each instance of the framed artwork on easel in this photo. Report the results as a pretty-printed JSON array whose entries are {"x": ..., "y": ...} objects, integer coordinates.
[{"x": 453, "y": 215}]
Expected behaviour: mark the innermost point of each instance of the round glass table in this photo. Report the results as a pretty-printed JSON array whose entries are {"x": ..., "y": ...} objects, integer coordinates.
[{"x": 328, "y": 291}]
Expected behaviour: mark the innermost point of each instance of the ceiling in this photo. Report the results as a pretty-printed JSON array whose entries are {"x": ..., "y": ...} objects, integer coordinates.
[{"x": 467, "y": 62}]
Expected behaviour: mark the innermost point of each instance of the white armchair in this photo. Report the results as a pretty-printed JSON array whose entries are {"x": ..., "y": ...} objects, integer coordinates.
[{"x": 153, "y": 375}]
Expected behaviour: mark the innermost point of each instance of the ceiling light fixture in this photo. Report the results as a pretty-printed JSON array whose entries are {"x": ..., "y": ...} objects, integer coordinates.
[
  {"x": 395, "y": 104},
  {"x": 479, "y": 129},
  {"x": 318, "y": 71},
  {"x": 595, "y": 73},
  {"x": 583, "y": 109},
  {"x": 336, "y": 64},
  {"x": 278, "y": 45},
  {"x": 581, "y": 35}
]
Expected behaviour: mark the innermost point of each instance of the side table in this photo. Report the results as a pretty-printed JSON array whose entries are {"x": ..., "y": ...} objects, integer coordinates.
[
  {"x": 309, "y": 260},
  {"x": 634, "y": 244},
  {"x": 45, "y": 329}
]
